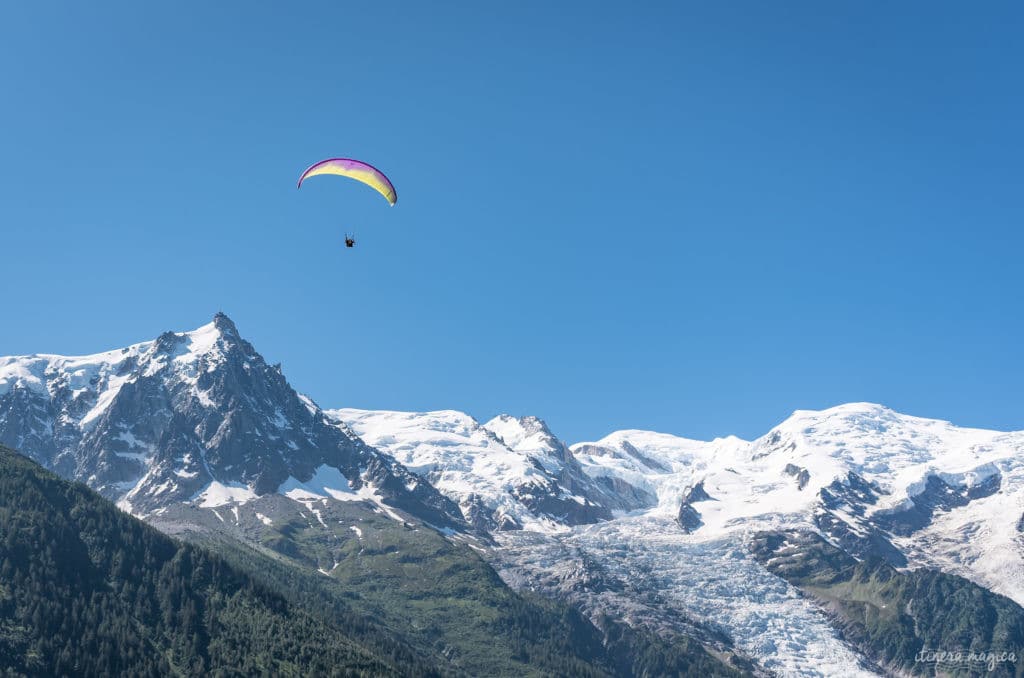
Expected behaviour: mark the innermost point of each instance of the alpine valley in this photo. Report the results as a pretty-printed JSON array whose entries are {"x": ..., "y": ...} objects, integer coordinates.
[{"x": 269, "y": 536}]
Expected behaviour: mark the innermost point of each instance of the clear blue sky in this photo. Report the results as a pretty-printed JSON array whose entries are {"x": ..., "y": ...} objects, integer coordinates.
[{"x": 688, "y": 217}]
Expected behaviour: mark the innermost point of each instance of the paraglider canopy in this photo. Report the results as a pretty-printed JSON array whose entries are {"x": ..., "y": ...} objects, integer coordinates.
[{"x": 353, "y": 169}]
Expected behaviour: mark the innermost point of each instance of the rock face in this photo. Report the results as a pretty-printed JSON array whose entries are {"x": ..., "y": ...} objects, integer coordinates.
[
  {"x": 689, "y": 517},
  {"x": 802, "y": 475},
  {"x": 937, "y": 496},
  {"x": 696, "y": 493},
  {"x": 841, "y": 517},
  {"x": 196, "y": 416}
]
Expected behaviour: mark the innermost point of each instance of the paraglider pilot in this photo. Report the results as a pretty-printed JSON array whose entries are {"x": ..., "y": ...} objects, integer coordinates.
[{"x": 353, "y": 169}]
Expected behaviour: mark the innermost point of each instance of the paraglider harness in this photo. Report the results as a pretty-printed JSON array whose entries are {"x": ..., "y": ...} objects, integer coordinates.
[{"x": 350, "y": 240}]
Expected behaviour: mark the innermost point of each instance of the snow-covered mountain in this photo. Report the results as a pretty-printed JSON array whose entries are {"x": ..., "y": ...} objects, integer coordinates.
[
  {"x": 915, "y": 492},
  {"x": 195, "y": 428},
  {"x": 507, "y": 474},
  {"x": 911, "y": 490},
  {"x": 196, "y": 417}
]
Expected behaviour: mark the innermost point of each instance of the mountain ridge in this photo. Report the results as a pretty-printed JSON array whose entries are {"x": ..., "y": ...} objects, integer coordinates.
[
  {"x": 198, "y": 434},
  {"x": 194, "y": 416}
]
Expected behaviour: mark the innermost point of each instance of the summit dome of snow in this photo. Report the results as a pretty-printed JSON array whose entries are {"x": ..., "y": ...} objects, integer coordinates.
[{"x": 926, "y": 491}]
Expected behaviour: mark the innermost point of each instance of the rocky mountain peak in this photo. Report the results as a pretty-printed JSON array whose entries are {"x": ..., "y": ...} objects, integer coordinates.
[
  {"x": 195, "y": 417},
  {"x": 224, "y": 324}
]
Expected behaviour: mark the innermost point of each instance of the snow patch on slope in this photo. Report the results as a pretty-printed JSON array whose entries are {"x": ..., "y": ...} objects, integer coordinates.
[
  {"x": 327, "y": 481},
  {"x": 220, "y": 494}
]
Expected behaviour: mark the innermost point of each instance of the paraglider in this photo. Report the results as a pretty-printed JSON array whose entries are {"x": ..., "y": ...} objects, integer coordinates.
[{"x": 353, "y": 169}]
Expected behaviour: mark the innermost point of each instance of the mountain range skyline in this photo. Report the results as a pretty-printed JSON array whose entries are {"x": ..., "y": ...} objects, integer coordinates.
[
  {"x": 588, "y": 436},
  {"x": 711, "y": 542}
]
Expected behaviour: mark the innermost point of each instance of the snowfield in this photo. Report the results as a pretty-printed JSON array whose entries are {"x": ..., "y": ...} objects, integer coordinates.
[{"x": 778, "y": 481}]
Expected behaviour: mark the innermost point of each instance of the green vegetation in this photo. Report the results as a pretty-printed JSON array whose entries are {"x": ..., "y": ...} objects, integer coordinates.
[
  {"x": 895, "y": 615},
  {"x": 637, "y": 652},
  {"x": 446, "y": 601},
  {"x": 443, "y": 596},
  {"x": 88, "y": 590}
]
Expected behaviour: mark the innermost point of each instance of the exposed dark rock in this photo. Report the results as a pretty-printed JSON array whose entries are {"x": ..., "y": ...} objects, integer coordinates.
[
  {"x": 629, "y": 496},
  {"x": 937, "y": 496},
  {"x": 802, "y": 475},
  {"x": 688, "y": 517},
  {"x": 853, "y": 495},
  {"x": 650, "y": 463},
  {"x": 799, "y": 556},
  {"x": 861, "y": 539},
  {"x": 696, "y": 493}
]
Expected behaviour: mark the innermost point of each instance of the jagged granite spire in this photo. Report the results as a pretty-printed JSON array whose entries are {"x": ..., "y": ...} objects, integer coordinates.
[{"x": 167, "y": 420}]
